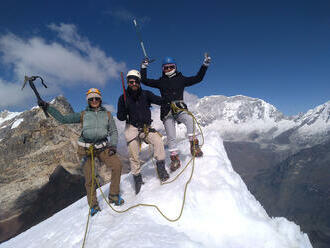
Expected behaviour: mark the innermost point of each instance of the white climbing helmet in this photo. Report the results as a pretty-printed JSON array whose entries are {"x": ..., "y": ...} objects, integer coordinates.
[{"x": 134, "y": 74}]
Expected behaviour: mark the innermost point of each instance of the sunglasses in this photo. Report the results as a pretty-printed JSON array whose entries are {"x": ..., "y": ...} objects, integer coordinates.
[
  {"x": 168, "y": 67},
  {"x": 133, "y": 82},
  {"x": 97, "y": 99}
]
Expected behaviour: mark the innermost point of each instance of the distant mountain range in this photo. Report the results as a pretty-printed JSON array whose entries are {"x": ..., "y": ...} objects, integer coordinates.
[{"x": 243, "y": 118}]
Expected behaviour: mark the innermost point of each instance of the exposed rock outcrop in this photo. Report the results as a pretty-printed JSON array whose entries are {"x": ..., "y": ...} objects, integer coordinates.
[
  {"x": 61, "y": 190},
  {"x": 30, "y": 152}
]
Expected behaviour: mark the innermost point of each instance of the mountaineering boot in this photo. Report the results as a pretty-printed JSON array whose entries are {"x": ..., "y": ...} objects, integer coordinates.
[
  {"x": 162, "y": 173},
  {"x": 95, "y": 209},
  {"x": 195, "y": 149},
  {"x": 175, "y": 162},
  {"x": 138, "y": 182},
  {"x": 116, "y": 199}
]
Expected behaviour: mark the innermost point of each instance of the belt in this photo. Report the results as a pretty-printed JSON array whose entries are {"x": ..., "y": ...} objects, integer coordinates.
[{"x": 97, "y": 146}]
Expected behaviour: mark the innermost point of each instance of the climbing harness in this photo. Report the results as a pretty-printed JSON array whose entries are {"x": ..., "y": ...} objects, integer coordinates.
[
  {"x": 178, "y": 106},
  {"x": 143, "y": 133}
]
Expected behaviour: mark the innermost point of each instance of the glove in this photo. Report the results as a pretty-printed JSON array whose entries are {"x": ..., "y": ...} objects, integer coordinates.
[
  {"x": 112, "y": 150},
  {"x": 207, "y": 60},
  {"x": 145, "y": 63},
  {"x": 43, "y": 104}
]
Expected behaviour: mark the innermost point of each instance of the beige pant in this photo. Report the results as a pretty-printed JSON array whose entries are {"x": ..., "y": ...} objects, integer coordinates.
[
  {"x": 134, "y": 141},
  {"x": 112, "y": 162}
]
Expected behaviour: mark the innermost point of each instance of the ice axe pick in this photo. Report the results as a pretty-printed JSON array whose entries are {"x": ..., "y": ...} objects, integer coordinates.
[{"x": 33, "y": 87}]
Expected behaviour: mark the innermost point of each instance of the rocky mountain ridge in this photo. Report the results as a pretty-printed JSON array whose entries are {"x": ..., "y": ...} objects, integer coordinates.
[
  {"x": 300, "y": 190},
  {"x": 30, "y": 149}
]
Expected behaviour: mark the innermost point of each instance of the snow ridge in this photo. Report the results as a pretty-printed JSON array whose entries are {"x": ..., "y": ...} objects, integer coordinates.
[{"x": 219, "y": 212}]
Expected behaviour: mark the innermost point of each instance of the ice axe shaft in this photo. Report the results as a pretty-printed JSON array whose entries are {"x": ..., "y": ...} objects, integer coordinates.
[
  {"x": 141, "y": 42},
  {"x": 123, "y": 83},
  {"x": 33, "y": 87},
  {"x": 124, "y": 91}
]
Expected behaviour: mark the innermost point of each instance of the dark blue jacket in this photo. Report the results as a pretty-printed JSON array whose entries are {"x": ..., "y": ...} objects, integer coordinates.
[
  {"x": 171, "y": 89},
  {"x": 136, "y": 111}
]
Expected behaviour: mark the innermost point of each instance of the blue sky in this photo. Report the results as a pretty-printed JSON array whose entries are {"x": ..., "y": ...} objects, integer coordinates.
[{"x": 278, "y": 51}]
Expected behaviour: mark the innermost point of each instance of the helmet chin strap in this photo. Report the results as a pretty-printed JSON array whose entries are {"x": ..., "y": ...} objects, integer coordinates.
[{"x": 170, "y": 73}]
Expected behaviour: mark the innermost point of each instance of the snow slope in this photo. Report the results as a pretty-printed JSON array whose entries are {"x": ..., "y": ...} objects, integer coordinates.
[{"x": 219, "y": 212}]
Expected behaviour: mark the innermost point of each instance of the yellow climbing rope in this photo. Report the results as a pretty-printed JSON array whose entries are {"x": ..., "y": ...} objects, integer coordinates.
[{"x": 91, "y": 153}]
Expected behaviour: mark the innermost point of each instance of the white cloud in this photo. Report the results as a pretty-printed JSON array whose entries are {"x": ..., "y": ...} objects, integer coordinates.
[
  {"x": 110, "y": 108},
  {"x": 68, "y": 63},
  {"x": 11, "y": 94}
]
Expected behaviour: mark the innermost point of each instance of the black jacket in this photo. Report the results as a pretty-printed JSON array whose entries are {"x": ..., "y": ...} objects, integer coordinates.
[
  {"x": 171, "y": 89},
  {"x": 136, "y": 111}
]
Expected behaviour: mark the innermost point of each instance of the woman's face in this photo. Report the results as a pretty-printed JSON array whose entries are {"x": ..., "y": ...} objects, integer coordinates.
[{"x": 94, "y": 102}]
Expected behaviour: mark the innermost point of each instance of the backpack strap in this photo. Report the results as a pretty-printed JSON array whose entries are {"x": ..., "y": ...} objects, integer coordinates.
[{"x": 109, "y": 115}]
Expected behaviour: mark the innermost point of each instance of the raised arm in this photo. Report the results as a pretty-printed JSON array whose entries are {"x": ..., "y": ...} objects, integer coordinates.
[
  {"x": 188, "y": 81},
  {"x": 64, "y": 119},
  {"x": 147, "y": 81},
  {"x": 201, "y": 73}
]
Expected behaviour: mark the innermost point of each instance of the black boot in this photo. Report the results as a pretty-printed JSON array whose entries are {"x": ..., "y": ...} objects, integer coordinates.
[
  {"x": 162, "y": 173},
  {"x": 195, "y": 149},
  {"x": 138, "y": 182},
  {"x": 175, "y": 162}
]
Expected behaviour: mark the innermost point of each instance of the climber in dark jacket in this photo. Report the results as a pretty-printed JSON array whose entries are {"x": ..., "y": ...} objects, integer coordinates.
[
  {"x": 98, "y": 129},
  {"x": 136, "y": 112},
  {"x": 171, "y": 86}
]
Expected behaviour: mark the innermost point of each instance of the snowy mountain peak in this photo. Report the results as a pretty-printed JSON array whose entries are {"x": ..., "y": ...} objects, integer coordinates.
[
  {"x": 319, "y": 113},
  {"x": 219, "y": 211},
  {"x": 251, "y": 119},
  {"x": 236, "y": 109}
]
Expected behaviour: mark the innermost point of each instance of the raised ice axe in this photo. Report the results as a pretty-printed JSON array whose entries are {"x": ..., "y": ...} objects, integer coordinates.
[
  {"x": 33, "y": 87},
  {"x": 141, "y": 42}
]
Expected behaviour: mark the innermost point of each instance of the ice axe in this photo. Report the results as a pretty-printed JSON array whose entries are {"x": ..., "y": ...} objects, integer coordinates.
[
  {"x": 141, "y": 42},
  {"x": 123, "y": 84},
  {"x": 31, "y": 82}
]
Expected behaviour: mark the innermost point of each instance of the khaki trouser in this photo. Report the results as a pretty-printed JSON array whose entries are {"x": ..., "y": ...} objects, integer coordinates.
[
  {"x": 111, "y": 162},
  {"x": 134, "y": 140}
]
